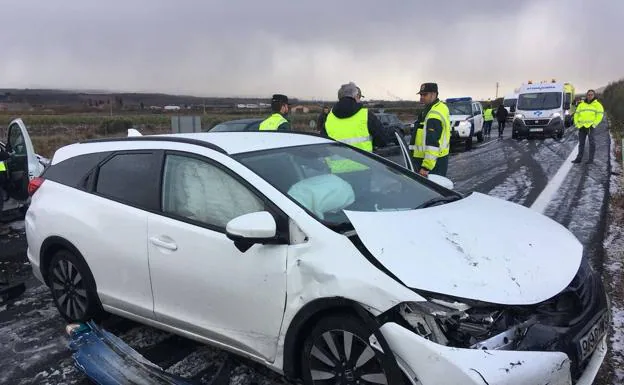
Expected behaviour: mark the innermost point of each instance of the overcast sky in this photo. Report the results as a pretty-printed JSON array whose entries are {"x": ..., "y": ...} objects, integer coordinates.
[{"x": 306, "y": 49}]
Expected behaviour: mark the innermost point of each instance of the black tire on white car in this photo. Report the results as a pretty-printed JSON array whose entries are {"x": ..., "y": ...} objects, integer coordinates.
[
  {"x": 337, "y": 351},
  {"x": 480, "y": 136},
  {"x": 73, "y": 288}
]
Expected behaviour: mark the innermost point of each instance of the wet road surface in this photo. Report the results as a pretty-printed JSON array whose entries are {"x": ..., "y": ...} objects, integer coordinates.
[{"x": 33, "y": 347}]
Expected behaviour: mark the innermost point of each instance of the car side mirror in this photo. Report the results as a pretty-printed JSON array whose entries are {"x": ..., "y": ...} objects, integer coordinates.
[
  {"x": 249, "y": 229},
  {"x": 442, "y": 181}
]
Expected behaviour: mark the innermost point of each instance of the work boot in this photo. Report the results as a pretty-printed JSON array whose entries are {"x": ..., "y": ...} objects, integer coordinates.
[{"x": 577, "y": 160}]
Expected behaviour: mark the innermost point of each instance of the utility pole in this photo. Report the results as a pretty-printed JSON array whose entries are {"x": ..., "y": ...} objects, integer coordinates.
[{"x": 496, "y": 90}]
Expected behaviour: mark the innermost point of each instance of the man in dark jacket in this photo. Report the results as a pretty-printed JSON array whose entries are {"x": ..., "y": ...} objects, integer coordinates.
[
  {"x": 350, "y": 122},
  {"x": 501, "y": 117},
  {"x": 320, "y": 122}
]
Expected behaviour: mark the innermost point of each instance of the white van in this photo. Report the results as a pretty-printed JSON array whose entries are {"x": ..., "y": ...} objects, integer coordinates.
[{"x": 540, "y": 111}]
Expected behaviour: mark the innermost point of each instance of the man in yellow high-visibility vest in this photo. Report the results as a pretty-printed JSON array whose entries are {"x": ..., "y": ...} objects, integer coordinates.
[
  {"x": 277, "y": 121},
  {"x": 432, "y": 134},
  {"x": 588, "y": 115}
]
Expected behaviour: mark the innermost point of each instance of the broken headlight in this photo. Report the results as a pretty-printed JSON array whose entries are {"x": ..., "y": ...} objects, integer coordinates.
[{"x": 459, "y": 325}]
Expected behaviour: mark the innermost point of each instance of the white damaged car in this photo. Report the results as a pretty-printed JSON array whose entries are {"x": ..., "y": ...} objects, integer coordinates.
[{"x": 321, "y": 261}]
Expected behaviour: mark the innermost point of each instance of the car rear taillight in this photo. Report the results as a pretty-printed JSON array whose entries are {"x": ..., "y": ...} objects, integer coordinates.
[{"x": 34, "y": 185}]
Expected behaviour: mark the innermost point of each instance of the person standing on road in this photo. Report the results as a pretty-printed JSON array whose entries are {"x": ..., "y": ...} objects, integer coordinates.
[
  {"x": 488, "y": 118},
  {"x": 588, "y": 115},
  {"x": 432, "y": 134},
  {"x": 320, "y": 122},
  {"x": 4, "y": 177},
  {"x": 501, "y": 117},
  {"x": 351, "y": 123},
  {"x": 277, "y": 121}
]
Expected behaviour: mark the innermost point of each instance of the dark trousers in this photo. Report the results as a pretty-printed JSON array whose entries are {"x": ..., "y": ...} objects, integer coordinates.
[
  {"x": 501, "y": 127},
  {"x": 487, "y": 127},
  {"x": 584, "y": 133},
  {"x": 441, "y": 167}
]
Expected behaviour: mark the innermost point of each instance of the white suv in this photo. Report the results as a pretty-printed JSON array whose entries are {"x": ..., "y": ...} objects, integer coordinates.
[
  {"x": 316, "y": 259},
  {"x": 466, "y": 120}
]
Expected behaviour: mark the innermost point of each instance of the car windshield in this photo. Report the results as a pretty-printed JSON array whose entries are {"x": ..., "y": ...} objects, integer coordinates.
[
  {"x": 230, "y": 126},
  {"x": 539, "y": 101},
  {"x": 509, "y": 102},
  {"x": 460, "y": 108},
  {"x": 326, "y": 179}
]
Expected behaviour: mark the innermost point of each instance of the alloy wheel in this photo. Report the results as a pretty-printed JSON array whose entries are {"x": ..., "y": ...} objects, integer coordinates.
[
  {"x": 68, "y": 288},
  {"x": 341, "y": 357}
]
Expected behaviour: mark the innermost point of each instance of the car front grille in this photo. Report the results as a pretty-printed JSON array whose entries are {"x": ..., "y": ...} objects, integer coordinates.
[{"x": 536, "y": 122}]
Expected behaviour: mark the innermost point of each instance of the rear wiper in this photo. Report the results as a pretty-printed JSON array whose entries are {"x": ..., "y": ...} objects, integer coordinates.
[{"x": 433, "y": 201}]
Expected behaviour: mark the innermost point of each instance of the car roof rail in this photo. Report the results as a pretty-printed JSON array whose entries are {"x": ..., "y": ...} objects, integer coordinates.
[{"x": 158, "y": 138}]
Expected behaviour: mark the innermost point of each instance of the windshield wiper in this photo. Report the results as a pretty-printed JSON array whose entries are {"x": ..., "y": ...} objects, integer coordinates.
[{"x": 435, "y": 200}]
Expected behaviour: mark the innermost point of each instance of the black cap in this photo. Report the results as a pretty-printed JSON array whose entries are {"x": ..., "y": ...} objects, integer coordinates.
[
  {"x": 428, "y": 87},
  {"x": 279, "y": 98}
]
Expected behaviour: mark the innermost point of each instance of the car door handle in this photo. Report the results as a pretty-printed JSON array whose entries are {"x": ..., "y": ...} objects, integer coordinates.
[{"x": 156, "y": 241}]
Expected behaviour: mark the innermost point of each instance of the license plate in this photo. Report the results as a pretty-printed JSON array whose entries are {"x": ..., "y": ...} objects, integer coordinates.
[
  {"x": 587, "y": 344},
  {"x": 536, "y": 129}
]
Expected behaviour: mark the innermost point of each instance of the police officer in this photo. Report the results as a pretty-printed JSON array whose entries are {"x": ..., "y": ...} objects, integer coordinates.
[
  {"x": 432, "y": 133},
  {"x": 4, "y": 177},
  {"x": 351, "y": 123},
  {"x": 587, "y": 116},
  {"x": 488, "y": 118},
  {"x": 277, "y": 121}
]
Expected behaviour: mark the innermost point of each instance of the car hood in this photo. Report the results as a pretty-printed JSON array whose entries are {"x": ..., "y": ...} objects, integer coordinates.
[{"x": 480, "y": 248}]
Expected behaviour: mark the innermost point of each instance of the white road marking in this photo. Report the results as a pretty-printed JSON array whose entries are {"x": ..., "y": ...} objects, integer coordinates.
[{"x": 553, "y": 185}]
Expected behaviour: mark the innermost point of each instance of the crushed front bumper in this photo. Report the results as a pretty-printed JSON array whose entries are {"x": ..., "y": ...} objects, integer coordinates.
[{"x": 433, "y": 363}]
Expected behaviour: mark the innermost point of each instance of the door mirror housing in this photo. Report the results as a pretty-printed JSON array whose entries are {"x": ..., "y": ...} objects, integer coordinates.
[
  {"x": 442, "y": 181},
  {"x": 249, "y": 229}
]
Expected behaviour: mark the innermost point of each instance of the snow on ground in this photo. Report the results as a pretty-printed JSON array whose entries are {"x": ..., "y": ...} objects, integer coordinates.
[
  {"x": 515, "y": 188},
  {"x": 143, "y": 337},
  {"x": 613, "y": 245}
]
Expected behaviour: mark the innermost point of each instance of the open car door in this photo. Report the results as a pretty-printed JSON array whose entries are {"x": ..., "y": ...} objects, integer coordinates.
[
  {"x": 407, "y": 159},
  {"x": 23, "y": 164}
]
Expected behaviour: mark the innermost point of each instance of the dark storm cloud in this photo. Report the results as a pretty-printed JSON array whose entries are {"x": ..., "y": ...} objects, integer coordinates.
[{"x": 307, "y": 49}]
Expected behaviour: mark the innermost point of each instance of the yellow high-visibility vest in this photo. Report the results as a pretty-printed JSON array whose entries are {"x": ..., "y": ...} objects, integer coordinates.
[
  {"x": 430, "y": 154},
  {"x": 588, "y": 114},
  {"x": 272, "y": 122}
]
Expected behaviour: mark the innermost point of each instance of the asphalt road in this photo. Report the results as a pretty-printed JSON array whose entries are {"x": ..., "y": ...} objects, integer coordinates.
[{"x": 33, "y": 345}]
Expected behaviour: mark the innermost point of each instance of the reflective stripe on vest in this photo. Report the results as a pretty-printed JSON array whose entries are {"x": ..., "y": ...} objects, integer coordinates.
[
  {"x": 352, "y": 130},
  {"x": 2, "y": 166},
  {"x": 272, "y": 122},
  {"x": 440, "y": 112}
]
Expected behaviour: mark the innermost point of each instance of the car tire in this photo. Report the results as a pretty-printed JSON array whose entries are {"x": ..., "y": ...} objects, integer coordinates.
[
  {"x": 326, "y": 358},
  {"x": 73, "y": 288},
  {"x": 480, "y": 136},
  {"x": 468, "y": 143}
]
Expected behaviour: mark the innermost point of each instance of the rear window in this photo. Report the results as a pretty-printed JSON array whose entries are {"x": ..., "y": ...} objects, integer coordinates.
[
  {"x": 130, "y": 178},
  {"x": 71, "y": 172}
]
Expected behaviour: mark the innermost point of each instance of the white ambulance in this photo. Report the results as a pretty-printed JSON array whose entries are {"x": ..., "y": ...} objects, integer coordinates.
[{"x": 540, "y": 111}]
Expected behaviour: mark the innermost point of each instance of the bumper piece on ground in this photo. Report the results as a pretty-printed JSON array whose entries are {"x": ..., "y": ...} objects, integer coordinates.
[
  {"x": 437, "y": 364},
  {"x": 105, "y": 359}
]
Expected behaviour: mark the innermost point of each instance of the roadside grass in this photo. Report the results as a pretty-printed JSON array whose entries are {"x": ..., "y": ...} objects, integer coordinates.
[{"x": 613, "y": 100}]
